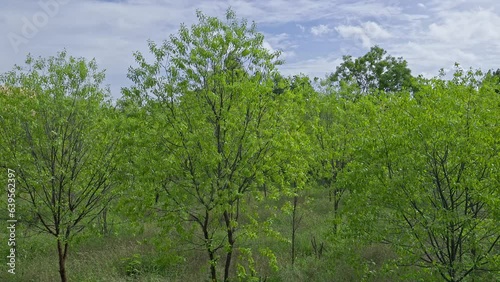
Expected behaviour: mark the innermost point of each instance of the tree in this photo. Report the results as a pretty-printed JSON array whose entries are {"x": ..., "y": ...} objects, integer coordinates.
[
  {"x": 60, "y": 143},
  {"x": 438, "y": 159},
  {"x": 373, "y": 71},
  {"x": 493, "y": 78},
  {"x": 296, "y": 131},
  {"x": 209, "y": 100},
  {"x": 334, "y": 137}
]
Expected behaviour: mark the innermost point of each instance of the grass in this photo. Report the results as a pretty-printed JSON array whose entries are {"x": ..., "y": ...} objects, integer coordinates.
[
  {"x": 128, "y": 257},
  {"x": 91, "y": 259}
]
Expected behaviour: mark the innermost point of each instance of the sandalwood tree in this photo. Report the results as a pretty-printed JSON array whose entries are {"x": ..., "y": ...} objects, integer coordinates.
[
  {"x": 56, "y": 136},
  {"x": 297, "y": 125},
  {"x": 333, "y": 145},
  {"x": 438, "y": 166},
  {"x": 210, "y": 106}
]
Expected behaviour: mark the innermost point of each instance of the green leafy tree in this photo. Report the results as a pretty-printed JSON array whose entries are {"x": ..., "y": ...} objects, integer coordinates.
[
  {"x": 373, "y": 71},
  {"x": 208, "y": 94},
  {"x": 438, "y": 156},
  {"x": 58, "y": 140},
  {"x": 492, "y": 78},
  {"x": 298, "y": 118},
  {"x": 334, "y": 137}
]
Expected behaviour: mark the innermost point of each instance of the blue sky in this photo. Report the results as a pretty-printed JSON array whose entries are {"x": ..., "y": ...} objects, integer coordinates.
[{"x": 312, "y": 34}]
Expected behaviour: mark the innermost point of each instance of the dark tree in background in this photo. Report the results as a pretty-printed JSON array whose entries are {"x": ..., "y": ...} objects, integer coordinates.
[{"x": 373, "y": 71}]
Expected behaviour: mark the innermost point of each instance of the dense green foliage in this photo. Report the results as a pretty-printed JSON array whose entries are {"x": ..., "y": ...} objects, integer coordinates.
[
  {"x": 57, "y": 139},
  {"x": 373, "y": 71},
  {"x": 215, "y": 167}
]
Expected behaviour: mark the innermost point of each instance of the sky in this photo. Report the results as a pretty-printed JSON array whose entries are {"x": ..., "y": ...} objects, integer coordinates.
[{"x": 313, "y": 35}]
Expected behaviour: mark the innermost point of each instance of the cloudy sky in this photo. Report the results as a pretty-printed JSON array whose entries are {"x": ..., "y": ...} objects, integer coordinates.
[{"x": 312, "y": 34}]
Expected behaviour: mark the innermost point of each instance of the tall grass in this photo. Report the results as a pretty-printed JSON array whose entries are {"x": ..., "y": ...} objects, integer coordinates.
[{"x": 128, "y": 255}]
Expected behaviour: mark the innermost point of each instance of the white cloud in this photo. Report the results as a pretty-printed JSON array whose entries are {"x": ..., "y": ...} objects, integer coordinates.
[
  {"x": 268, "y": 46},
  {"x": 453, "y": 32},
  {"x": 285, "y": 55},
  {"x": 280, "y": 42},
  {"x": 302, "y": 28},
  {"x": 429, "y": 34},
  {"x": 284, "y": 11},
  {"x": 320, "y": 30},
  {"x": 365, "y": 32},
  {"x": 375, "y": 31},
  {"x": 368, "y": 9},
  {"x": 467, "y": 27},
  {"x": 428, "y": 58},
  {"x": 314, "y": 67}
]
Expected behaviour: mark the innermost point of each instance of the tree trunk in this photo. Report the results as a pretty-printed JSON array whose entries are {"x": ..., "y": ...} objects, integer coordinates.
[
  {"x": 105, "y": 230},
  {"x": 210, "y": 250},
  {"x": 213, "y": 271},
  {"x": 62, "y": 250},
  {"x": 337, "y": 195},
  {"x": 294, "y": 227},
  {"x": 230, "y": 240}
]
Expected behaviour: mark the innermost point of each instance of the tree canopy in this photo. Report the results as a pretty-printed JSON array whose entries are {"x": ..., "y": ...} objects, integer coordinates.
[
  {"x": 214, "y": 166},
  {"x": 373, "y": 71}
]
